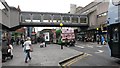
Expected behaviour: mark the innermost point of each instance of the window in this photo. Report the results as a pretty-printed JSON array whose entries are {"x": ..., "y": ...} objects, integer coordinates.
[
  {"x": 116, "y": 2},
  {"x": 83, "y": 20},
  {"x": 102, "y": 14}
]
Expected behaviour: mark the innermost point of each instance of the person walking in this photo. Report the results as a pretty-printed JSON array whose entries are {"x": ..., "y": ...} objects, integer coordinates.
[
  {"x": 12, "y": 41},
  {"x": 10, "y": 50},
  {"x": 44, "y": 40},
  {"x": 102, "y": 40},
  {"x": 27, "y": 49},
  {"x": 22, "y": 42},
  {"x": 98, "y": 39}
]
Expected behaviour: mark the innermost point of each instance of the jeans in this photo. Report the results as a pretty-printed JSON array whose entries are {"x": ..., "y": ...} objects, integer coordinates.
[{"x": 27, "y": 55}]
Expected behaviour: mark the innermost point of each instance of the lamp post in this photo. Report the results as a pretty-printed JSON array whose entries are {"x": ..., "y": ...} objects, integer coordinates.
[
  {"x": 97, "y": 30},
  {"x": 61, "y": 24}
]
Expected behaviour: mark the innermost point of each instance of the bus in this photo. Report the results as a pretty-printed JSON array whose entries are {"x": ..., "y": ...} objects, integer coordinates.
[
  {"x": 113, "y": 28},
  {"x": 66, "y": 36}
]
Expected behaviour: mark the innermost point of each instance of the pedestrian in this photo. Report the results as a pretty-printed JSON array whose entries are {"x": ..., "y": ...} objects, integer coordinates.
[
  {"x": 98, "y": 39},
  {"x": 27, "y": 49},
  {"x": 93, "y": 39},
  {"x": 10, "y": 50},
  {"x": 43, "y": 40},
  {"x": 12, "y": 41},
  {"x": 22, "y": 42},
  {"x": 38, "y": 39},
  {"x": 66, "y": 42},
  {"x": 60, "y": 42},
  {"x": 102, "y": 40},
  {"x": 17, "y": 41}
]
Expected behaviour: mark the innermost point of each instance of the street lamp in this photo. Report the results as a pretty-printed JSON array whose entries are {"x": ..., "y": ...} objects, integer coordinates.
[
  {"x": 97, "y": 29},
  {"x": 61, "y": 24}
]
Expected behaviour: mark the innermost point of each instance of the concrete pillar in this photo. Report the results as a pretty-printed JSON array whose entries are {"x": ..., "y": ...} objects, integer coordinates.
[
  {"x": 52, "y": 16},
  {"x": 70, "y": 19},
  {"x": 31, "y": 17},
  {"x": 41, "y": 20},
  {"x": 78, "y": 19},
  {"x": 61, "y": 19}
]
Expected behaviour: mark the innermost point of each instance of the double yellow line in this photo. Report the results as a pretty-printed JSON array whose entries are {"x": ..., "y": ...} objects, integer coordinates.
[{"x": 67, "y": 64}]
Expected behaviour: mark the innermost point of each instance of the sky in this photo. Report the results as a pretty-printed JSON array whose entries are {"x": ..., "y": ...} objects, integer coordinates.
[{"x": 60, "y": 6}]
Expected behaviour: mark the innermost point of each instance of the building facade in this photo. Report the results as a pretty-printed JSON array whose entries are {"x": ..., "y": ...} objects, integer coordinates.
[{"x": 97, "y": 14}]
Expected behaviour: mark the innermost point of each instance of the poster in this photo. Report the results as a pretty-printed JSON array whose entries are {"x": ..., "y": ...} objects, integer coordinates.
[{"x": 47, "y": 38}]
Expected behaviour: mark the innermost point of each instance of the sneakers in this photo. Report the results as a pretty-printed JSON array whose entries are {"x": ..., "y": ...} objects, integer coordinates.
[
  {"x": 30, "y": 58},
  {"x": 26, "y": 62}
]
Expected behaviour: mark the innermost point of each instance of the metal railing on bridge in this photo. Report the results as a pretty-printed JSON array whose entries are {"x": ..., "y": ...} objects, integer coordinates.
[{"x": 52, "y": 19}]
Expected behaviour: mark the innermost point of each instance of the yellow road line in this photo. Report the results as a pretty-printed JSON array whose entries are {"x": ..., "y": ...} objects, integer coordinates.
[{"x": 75, "y": 60}]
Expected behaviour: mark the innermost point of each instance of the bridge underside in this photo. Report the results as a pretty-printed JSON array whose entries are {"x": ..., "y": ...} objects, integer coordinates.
[
  {"x": 44, "y": 25},
  {"x": 53, "y": 24}
]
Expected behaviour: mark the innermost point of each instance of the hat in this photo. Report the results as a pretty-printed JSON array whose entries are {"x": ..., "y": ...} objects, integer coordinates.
[{"x": 28, "y": 38}]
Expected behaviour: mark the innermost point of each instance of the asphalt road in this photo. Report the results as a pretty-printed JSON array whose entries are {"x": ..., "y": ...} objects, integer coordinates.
[{"x": 98, "y": 55}]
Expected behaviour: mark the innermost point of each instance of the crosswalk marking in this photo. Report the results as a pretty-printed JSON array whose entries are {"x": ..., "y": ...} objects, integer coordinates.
[
  {"x": 80, "y": 46},
  {"x": 99, "y": 46},
  {"x": 100, "y": 51},
  {"x": 90, "y": 46}
]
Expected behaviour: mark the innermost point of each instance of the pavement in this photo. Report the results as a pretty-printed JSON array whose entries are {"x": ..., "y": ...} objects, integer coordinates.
[
  {"x": 47, "y": 56},
  {"x": 0, "y": 58}
]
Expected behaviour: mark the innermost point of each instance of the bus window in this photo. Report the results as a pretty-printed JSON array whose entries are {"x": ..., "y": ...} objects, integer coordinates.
[
  {"x": 115, "y": 35},
  {"x": 116, "y": 2}
]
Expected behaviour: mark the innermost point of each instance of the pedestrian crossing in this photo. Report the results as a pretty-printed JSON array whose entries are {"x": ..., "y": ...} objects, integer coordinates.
[
  {"x": 99, "y": 51},
  {"x": 97, "y": 47},
  {"x": 89, "y": 46},
  {"x": 80, "y": 46}
]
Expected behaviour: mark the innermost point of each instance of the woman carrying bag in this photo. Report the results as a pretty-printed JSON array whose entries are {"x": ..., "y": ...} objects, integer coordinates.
[{"x": 27, "y": 49}]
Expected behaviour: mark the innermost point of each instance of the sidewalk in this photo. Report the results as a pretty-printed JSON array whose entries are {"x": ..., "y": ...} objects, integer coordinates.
[
  {"x": 0, "y": 57},
  {"x": 48, "y": 56}
]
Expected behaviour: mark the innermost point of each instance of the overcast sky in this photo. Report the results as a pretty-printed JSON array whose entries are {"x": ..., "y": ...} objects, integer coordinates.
[{"x": 61, "y": 6}]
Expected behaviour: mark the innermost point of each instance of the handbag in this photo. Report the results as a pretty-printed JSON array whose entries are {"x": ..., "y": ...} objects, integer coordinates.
[{"x": 31, "y": 49}]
